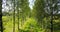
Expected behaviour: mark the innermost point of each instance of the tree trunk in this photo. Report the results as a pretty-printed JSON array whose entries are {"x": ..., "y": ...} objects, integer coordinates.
[{"x": 1, "y": 26}]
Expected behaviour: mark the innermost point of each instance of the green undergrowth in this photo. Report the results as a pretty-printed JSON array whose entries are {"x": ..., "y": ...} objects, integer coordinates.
[{"x": 29, "y": 25}]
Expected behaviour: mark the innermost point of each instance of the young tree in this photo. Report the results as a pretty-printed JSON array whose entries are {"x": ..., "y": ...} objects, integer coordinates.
[
  {"x": 38, "y": 10},
  {"x": 23, "y": 10}
]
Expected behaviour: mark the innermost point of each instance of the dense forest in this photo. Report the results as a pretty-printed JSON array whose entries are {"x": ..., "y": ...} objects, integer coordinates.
[{"x": 30, "y": 16}]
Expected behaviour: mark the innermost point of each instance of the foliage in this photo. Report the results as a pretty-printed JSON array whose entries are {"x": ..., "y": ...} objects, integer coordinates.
[{"x": 29, "y": 21}]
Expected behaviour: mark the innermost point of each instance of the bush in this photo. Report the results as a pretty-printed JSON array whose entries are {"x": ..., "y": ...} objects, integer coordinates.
[{"x": 31, "y": 25}]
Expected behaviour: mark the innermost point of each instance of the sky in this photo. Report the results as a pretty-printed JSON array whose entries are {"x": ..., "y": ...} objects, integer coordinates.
[
  {"x": 31, "y": 3},
  {"x": 5, "y": 8},
  {"x": 3, "y": 5}
]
